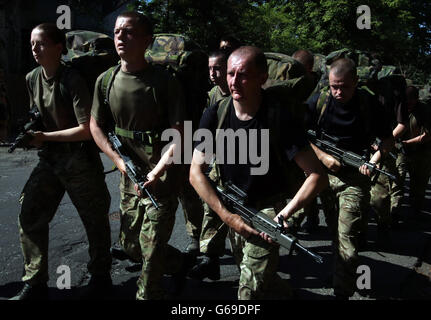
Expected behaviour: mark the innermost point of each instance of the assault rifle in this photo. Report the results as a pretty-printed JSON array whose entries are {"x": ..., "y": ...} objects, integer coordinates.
[
  {"x": 24, "y": 137},
  {"x": 234, "y": 199},
  {"x": 345, "y": 157},
  {"x": 132, "y": 171}
]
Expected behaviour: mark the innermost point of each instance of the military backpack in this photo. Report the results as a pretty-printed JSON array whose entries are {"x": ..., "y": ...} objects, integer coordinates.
[{"x": 185, "y": 61}]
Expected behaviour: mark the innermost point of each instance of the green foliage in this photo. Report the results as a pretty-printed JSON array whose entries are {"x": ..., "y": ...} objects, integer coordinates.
[{"x": 400, "y": 29}]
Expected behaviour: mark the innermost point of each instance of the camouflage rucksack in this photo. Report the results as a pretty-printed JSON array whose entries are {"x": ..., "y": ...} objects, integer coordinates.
[
  {"x": 186, "y": 61},
  {"x": 91, "y": 53},
  {"x": 284, "y": 72},
  {"x": 282, "y": 67}
]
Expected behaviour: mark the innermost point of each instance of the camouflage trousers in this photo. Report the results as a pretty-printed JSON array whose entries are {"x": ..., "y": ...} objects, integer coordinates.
[
  {"x": 213, "y": 234},
  {"x": 311, "y": 211},
  {"x": 419, "y": 168},
  {"x": 258, "y": 262},
  {"x": 346, "y": 204},
  {"x": 79, "y": 172},
  {"x": 144, "y": 235},
  {"x": 387, "y": 195},
  {"x": 193, "y": 209}
]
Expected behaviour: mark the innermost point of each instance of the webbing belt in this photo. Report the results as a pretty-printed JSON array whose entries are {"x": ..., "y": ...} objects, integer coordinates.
[{"x": 148, "y": 138}]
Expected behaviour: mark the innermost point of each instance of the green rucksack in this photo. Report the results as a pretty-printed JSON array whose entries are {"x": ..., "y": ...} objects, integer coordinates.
[
  {"x": 90, "y": 53},
  {"x": 182, "y": 58},
  {"x": 282, "y": 67}
]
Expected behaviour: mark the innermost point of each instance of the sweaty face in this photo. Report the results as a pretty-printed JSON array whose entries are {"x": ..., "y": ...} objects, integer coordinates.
[
  {"x": 217, "y": 70},
  {"x": 44, "y": 50},
  {"x": 342, "y": 87},
  {"x": 243, "y": 77},
  {"x": 130, "y": 39}
]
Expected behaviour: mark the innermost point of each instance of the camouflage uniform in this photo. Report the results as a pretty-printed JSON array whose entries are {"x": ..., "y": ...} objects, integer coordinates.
[
  {"x": 153, "y": 100},
  {"x": 258, "y": 262},
  {"x": 74, "y": 167},
  {"x": 346, "y": 201},
  {"x": 184, "y": 56},
  {"x": 77, "y": 168},
  {"x": 213, "y": 231},
  {"x": 386, "y": 195},
  {"x": 192, "y": 206},
  {"x": 344, "y": 204}
]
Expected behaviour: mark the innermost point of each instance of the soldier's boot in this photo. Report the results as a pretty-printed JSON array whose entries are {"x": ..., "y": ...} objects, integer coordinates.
[
  {"x": 209, "y": 267},
  {"x": 117, "y": 252},
  {"x": 179, "y": 278},
  {"x": 193, "y": 247},
  {"x": 99, "y": 287},
  {"x": 35, "y": 292}
]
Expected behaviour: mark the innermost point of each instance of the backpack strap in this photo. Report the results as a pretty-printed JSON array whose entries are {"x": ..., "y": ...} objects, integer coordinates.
[
  {"x": 223, "y": 107},
  {"x": 107, "y": 80},
  {"x": 322, "y": 103}
]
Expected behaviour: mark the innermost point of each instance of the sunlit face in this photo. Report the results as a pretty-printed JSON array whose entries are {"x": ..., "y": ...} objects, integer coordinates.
[
  {"x": 130, "y": 39},
  {"x": 44, "y": 50},
  {"x": 243, "y": 77},
  {"x": 342, "y": 87},
  {"x": 217, "y": 70}
]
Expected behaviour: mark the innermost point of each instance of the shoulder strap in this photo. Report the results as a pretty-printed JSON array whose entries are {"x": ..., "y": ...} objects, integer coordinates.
[
  {"x": 322, "y": 102},
  {"x": 64, "y": 91},
  {"x": 107, "y": 81},
  {"x": 33, "y": 77},
  {"x": 223, "y": 107}
]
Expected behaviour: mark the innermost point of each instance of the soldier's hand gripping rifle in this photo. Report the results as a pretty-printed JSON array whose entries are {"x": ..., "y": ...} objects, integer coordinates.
[
  {"x": 24, "y": 137},
  {"x": 328, "y": 144},
  {"x": 234, "y": 198},
  {"x": 132, "y": 171}
]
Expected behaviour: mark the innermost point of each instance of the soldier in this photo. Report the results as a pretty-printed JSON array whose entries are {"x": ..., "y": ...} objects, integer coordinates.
[
  {"x": 248, "y": 109},
  {"x": 132, "y": 108},
  {"x": 387, "y": 195},
  {"x": 68, "y": 160},
  {"x": 340, "y": 111},
  {"x": 229, "y": 42},
  {"x": 311, "y": 79},
  {"x": 417, "y": 144},
  {"x": 217, "y": 66},
  {"x": 214, "y": 231}
]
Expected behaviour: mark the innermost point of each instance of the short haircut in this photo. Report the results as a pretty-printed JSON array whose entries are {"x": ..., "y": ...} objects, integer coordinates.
[
  {"x": 412, "y": 93},
  {"x": 343, "y": 66},
  {"x": 141, "y": 19},
  {"x": 256, "y": 54},
  {"x": 53, "y": 33},
  {"x": 305, "y": 57},
  {"x": 219, "y": 54},
  {"x": 233, "y": 42}
]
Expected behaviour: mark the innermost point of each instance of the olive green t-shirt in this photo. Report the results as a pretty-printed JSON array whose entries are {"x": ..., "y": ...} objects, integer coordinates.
[
  {"x": 144, "y": 101},
  {"x": 215, "y": 95},
  {"x": 60, "y": 108}
]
